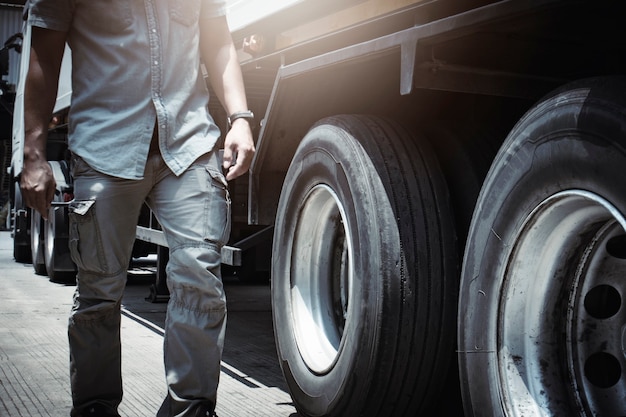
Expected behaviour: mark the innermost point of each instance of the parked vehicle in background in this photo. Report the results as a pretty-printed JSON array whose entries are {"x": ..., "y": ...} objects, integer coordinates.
[
  {"x": 439, "y": 187},
  {"x": 45, "y": 243}
]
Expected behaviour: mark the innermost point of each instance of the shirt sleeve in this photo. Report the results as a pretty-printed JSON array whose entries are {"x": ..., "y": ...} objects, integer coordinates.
[
  {"x": 213, "y": 8},
  {"x": 51, "y": 14}
]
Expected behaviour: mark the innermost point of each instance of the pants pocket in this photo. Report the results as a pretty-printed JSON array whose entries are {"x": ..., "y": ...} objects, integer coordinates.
[
  {"x": 218, "y": 219},
  {"x": 85, "y": 242}
]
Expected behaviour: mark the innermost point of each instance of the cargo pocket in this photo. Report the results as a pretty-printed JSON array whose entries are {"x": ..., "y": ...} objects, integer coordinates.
[
  {"x": 218, "y": 218},
  {"x": 85, "y": 242},
  {"x": 186, "y": 12}
]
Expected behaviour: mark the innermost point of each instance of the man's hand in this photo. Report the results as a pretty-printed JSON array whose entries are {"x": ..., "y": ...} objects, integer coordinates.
[
  {"x": 38, "y": 186},
  {"x": 220, "y": 58},
  {"x": 238, "y": 149}
]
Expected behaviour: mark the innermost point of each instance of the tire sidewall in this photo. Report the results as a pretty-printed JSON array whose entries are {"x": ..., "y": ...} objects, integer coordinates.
[
  {"x": 318, "y": 165},
  {"x": 573, "y": 140}
]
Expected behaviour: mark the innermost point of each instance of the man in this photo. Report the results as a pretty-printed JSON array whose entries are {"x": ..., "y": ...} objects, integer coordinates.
[{"x": 139, "y": 130}]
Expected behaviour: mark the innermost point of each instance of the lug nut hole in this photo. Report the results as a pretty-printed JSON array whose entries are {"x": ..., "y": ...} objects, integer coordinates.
[
  {"x": 602, "y": 302},
  {"x": 603, "y": 370},
  {"x": 616, "y": 246}
]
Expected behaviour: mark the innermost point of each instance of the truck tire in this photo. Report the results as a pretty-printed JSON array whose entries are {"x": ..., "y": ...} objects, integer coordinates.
[
  {"x": 465, "y": 153},
  {"x": 541, "y": 310},
  {"x": 364, "y": 271},
  {"x": 58, "y": 261},
  {"x": 37, "y": 227},
  {"x": 21, "y": 228}
]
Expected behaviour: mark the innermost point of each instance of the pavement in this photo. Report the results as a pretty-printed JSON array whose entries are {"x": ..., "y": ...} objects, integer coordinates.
[{"x": 34, "y": 374}]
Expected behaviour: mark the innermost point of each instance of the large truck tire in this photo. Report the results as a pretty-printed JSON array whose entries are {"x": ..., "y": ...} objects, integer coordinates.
[
  {"x": 58, "y": 260},
  {"x": 364, "y": 272},
  {"x": 21, "y": 228},
  {"x": 465, "y": 153},
  {"x": 37, "y": 244},
  {"x": 541, "y": 309}
]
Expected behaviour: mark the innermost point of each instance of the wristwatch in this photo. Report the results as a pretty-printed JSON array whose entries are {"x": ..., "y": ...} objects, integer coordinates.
[{"x": 247, "y": 114}]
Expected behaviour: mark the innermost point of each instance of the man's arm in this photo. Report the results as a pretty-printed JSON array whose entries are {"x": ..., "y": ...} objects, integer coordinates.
[
  {"x": 220, "y": 58},
  {"x": 46, "y": 53}
]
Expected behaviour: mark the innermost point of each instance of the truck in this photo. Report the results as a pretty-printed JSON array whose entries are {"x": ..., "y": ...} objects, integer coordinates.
[{"x": 438, "y": 189}]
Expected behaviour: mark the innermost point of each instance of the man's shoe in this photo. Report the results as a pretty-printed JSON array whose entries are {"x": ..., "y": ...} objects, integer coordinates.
[
  {"x": 205, "y": 410},
  {"x": 98, "y": 410}
]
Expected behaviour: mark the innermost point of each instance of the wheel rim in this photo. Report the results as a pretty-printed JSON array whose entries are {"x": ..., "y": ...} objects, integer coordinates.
[
  {"x": 321, "y": 278},
  {"x": 49, "y": 240},
  {"x": 35, "y": 235},
  {"x": 562, "y": 320}
]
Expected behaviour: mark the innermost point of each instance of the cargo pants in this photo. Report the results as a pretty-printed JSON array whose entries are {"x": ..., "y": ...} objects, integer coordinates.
[{"x": 193, "y": 210}]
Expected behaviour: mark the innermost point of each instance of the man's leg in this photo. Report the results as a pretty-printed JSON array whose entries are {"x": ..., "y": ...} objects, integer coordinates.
[
  {"x": 194, "y": 212},
  {"x": 103, "y": 217}
]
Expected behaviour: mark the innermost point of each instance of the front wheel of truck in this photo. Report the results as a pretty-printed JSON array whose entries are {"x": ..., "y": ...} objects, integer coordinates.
[
  {"x": 364, "y": 271},
  {"x": 542, "y": 312}
]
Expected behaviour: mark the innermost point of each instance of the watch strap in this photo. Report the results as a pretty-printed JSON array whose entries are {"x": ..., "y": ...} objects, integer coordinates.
[{"x": 246, "y": 114}]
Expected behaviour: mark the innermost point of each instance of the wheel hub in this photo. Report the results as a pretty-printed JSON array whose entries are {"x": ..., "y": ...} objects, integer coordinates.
[
  {"x": 321, "y": 281},
  {"x": 562, "y": 318}
]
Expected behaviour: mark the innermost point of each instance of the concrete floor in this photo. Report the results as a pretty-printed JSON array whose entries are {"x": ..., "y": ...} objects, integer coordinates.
[{"x": 34, "y": 376}]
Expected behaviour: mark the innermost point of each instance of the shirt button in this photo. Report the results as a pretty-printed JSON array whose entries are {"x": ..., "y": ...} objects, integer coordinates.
[{"x": 156, "y": 62}]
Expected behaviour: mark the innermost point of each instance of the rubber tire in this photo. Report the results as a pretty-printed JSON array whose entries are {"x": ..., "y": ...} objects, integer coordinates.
[
  {"x": 57, "y": 258},
  {"x": 465, "y": 152},
  {"x": 571, "y": 143},
  {"x": 394, "y": 347},
  {"x": 21, "y": 229},
  {"x": 37, "y": 227}
]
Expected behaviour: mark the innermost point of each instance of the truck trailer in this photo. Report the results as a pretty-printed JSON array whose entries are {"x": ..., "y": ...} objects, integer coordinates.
[{"x": 439, "y": 190}]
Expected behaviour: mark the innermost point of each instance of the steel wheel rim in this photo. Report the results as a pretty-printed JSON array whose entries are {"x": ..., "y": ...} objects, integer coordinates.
[
  {"x": 49, "y": 236},
  {"x": 567, "y": 257},
  {"x": 321, "y": 278},
  {"x": 35, "y": 233}
]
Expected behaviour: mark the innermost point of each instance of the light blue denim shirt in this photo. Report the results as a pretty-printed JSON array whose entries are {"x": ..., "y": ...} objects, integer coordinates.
[{"x": 134, "y": 63}]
